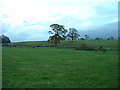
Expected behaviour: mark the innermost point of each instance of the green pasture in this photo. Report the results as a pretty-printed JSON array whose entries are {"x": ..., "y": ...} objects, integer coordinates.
[
  {"x": 93, "y": 43},
  {"x": 60, "y": 68}
]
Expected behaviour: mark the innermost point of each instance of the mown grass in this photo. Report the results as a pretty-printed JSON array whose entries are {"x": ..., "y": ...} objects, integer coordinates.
[{"x": 59, "y": 68}]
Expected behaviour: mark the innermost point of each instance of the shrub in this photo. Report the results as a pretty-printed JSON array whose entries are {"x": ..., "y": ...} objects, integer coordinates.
[
  {"x": 100, "y": 48},
  {"x": 85, "y": 47}
]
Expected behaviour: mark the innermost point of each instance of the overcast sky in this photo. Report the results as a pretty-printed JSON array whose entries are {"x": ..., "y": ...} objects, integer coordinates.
[{"x": 24, "y": 20}]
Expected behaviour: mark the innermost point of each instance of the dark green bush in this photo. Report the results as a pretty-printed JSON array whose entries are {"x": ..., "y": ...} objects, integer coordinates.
[
  {"x": 88, "y": 48},
  {"x": 84, "y": 47}
]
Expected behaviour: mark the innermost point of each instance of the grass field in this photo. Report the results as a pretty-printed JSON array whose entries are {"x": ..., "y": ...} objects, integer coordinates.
[
  {"x": 94, "y": 43},
  {"x": 60, "y": 68}
]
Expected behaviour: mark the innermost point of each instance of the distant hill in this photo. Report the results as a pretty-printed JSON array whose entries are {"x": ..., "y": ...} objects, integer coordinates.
[{"x": 103, "y": 31}]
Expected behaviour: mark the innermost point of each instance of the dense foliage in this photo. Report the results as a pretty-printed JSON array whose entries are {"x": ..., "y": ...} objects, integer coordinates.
[
  {"x": 58, "y": 33},
  {"x": 4, "y": 39},
  {"x": 73, "y": 34}
]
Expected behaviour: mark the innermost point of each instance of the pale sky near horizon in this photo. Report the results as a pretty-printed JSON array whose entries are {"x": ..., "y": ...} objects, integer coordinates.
[{"x": 24, "y": 20}]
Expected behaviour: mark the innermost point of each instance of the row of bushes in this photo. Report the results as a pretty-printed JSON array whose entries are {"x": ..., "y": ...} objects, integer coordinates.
[
  {"x": 83, "y": 47},
  {"x": 88, "y": 48},
  {"x": 34, "y": 46}
]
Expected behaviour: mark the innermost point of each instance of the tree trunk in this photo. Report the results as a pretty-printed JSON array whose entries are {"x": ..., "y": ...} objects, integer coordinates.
[{"x": 72, "y": 39}]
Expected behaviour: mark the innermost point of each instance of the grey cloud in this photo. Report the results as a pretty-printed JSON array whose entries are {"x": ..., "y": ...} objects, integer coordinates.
[
  {"x": 103, "y": 31},
  {"x": 23, "y": 33},
  {"x": 29, "y": 35}
]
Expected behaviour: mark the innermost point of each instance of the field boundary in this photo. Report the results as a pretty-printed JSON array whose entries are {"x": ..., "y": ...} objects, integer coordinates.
[
  {"x": 62, "y": 47},
  {"x": 35, "y": 46}
]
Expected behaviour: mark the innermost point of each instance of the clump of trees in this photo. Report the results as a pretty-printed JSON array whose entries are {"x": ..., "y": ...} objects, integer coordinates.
[
  {"x": 98, "y": 38},
  {"x": 110, "y": 38},
  {"x": 4, "y": 39},
  {"x": 59, "y": 33}
]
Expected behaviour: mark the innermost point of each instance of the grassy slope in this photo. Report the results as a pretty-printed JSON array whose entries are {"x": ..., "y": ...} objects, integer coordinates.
[
  {"x": 94, "y": 43},
  {"x": 50, "y": 67}
]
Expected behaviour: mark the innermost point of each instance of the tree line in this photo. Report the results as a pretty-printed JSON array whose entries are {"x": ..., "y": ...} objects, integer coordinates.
[{"x": 58, "y": 33}]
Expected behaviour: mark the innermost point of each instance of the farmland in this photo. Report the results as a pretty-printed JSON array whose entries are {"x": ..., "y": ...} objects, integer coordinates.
[
  {"x": 60, "y": 68},
  {"x": 106, "y": 43}
]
